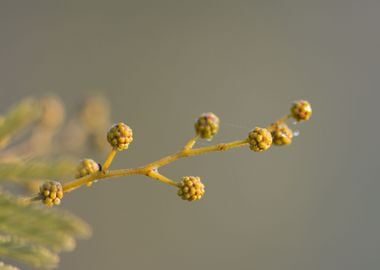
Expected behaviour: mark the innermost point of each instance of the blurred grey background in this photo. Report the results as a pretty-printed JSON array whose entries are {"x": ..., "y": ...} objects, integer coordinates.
[{"x": 312, "y": 205}]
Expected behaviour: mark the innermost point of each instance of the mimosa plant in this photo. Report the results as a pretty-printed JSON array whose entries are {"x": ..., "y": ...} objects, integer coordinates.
[{"x": 119, "y": 137}]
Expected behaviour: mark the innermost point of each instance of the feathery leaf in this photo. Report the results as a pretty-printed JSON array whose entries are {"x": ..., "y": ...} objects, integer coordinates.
[
  {"x": 4, "y": 266},
  {"x": 22, "y": 250},
  {"x": 31, "y": 170},
  {"x": 18, "y": 118},
  {"x": 34, "y": 235}
]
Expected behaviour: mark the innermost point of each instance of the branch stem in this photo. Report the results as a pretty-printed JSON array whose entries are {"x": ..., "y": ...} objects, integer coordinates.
[
  {"x": 190, "y": 144},
  {"x": 157, "y": 176},
  {"x": 151, "y": 169},
  {"x": 109, "y": 159}
]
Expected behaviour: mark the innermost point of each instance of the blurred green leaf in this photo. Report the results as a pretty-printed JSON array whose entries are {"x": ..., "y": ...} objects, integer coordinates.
[
  {"x": 19, "y": 117},
  {"x": 36, "y": 170},
  {"x": 4, "y": 266},
  {"x": 22, "y": 250},
  {"x": 35, "y": 235}
]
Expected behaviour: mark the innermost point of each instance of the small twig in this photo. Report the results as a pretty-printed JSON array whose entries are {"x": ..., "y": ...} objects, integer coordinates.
[
  {"x": 258, "y": 139},
  {"x": 149, "y": 169},
  {"x": 109, "y": 159}
]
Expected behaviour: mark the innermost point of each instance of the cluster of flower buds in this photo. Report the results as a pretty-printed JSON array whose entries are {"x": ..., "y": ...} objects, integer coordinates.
[
  {"x": 120, "y": 136},
  {"x": 259, "y": 139},
  {"x": 191, "y": 188},
  {"x": 206, "y": 127},
  {"x": 279, "y": 133},
  {"x": 87, "y": 167},
  {"x": 51, "y": 193},
  {"x": 301, "y": 110}
]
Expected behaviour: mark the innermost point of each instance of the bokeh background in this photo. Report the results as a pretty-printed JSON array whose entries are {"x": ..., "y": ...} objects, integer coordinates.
[{"x": 312, "y": 205}]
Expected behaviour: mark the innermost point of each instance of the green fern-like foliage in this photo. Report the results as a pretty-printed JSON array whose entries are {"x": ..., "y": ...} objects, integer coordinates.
[
  {"x": 34, "y": 235},
  {"x": 18, "y": 118},
  {"x": 4, "y": 266},
  {"x": 24, "y": 172}
]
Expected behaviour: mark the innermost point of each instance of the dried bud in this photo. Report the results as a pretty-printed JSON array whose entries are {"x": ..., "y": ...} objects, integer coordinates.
[
  {"x": 301, "y": 110},
  {"x": 207, "y": 125}
]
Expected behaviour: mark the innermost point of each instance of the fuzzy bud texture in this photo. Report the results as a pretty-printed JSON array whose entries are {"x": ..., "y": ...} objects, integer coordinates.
[
  {"x": 281, "y": 134},
  {"x": 86, "y": 167},
  {"x": 120, "y": 136},
  {"x": 259, "y": 139},
  {"x": 301, "y": 110},
  {"x": 207, "y": 125},
  {"x": 51, "y": 193},
  {"x": 191, "y": 188}
]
